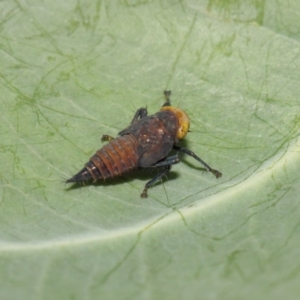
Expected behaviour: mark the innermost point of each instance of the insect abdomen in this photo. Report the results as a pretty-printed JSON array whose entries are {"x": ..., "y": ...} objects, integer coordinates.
[{"x": 116, "y": 158}]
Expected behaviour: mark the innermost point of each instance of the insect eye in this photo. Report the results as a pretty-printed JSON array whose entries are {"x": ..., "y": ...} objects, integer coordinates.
[
  {"x": 183, "y": 128},
  {"x": 183, "y": 121}
]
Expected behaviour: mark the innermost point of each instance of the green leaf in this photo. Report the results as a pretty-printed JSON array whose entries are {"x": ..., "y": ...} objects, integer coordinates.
[{"x": 73, "y": 71}]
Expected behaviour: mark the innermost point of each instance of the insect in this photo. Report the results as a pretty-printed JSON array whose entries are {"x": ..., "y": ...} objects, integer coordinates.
[{"x": 145, "y": 143}]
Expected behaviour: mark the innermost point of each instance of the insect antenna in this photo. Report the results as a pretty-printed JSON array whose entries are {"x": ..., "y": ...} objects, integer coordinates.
[
  {"x": 167, "y": 196},
  {"x": 181, "y": 92}
]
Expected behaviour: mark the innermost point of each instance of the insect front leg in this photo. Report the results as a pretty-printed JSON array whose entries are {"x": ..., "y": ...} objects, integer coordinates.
[
  {"x": 166, "y": 167},
  {"x": 167, "y": 95},
  {"x": 206, "y": 166},
  {"x": 150, "y": 183}
]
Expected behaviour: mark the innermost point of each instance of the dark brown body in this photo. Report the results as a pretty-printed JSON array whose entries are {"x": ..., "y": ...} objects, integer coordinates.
[
  {"x": 141, "y": 145},
  {"x": 145, "y": 143}
]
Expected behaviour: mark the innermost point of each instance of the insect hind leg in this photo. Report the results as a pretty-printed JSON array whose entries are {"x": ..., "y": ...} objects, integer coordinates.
[
  {"x": 106, "y": 138},
  {"x": 166, "y": 165},
  {"x": 206, "y": 166},
  {"x": 168, "y": 161}
]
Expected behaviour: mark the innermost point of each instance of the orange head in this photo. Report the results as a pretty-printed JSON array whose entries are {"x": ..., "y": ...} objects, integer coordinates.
[{"x": 183, "y": 121}]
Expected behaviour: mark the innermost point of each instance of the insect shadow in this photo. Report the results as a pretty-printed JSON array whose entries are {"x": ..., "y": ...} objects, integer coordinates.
[{"x": 143, "y": 174}]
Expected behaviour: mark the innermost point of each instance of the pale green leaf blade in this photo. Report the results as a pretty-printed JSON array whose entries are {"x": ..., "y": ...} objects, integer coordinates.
[{"x": 71, "y": 72}]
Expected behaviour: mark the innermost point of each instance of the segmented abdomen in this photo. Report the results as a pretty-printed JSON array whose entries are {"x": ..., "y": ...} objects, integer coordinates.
[{"x": 116, "y": 158}]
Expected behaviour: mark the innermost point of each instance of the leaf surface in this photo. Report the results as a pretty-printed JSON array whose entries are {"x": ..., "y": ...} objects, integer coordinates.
[{"x": 73, "y": 71}]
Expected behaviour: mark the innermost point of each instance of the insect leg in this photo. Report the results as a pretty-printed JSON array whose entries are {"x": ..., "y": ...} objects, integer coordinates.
[
  {"x": 139, "y": 114},
  {"x": 106, "y": 138},
  {"x": 206, "y": 166},
  {"x": 167, "y": 95},
  {"x": 150, "y": 183},
  {"x": 166, "y": 164},
  {"x": 172, "y": 160}
]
